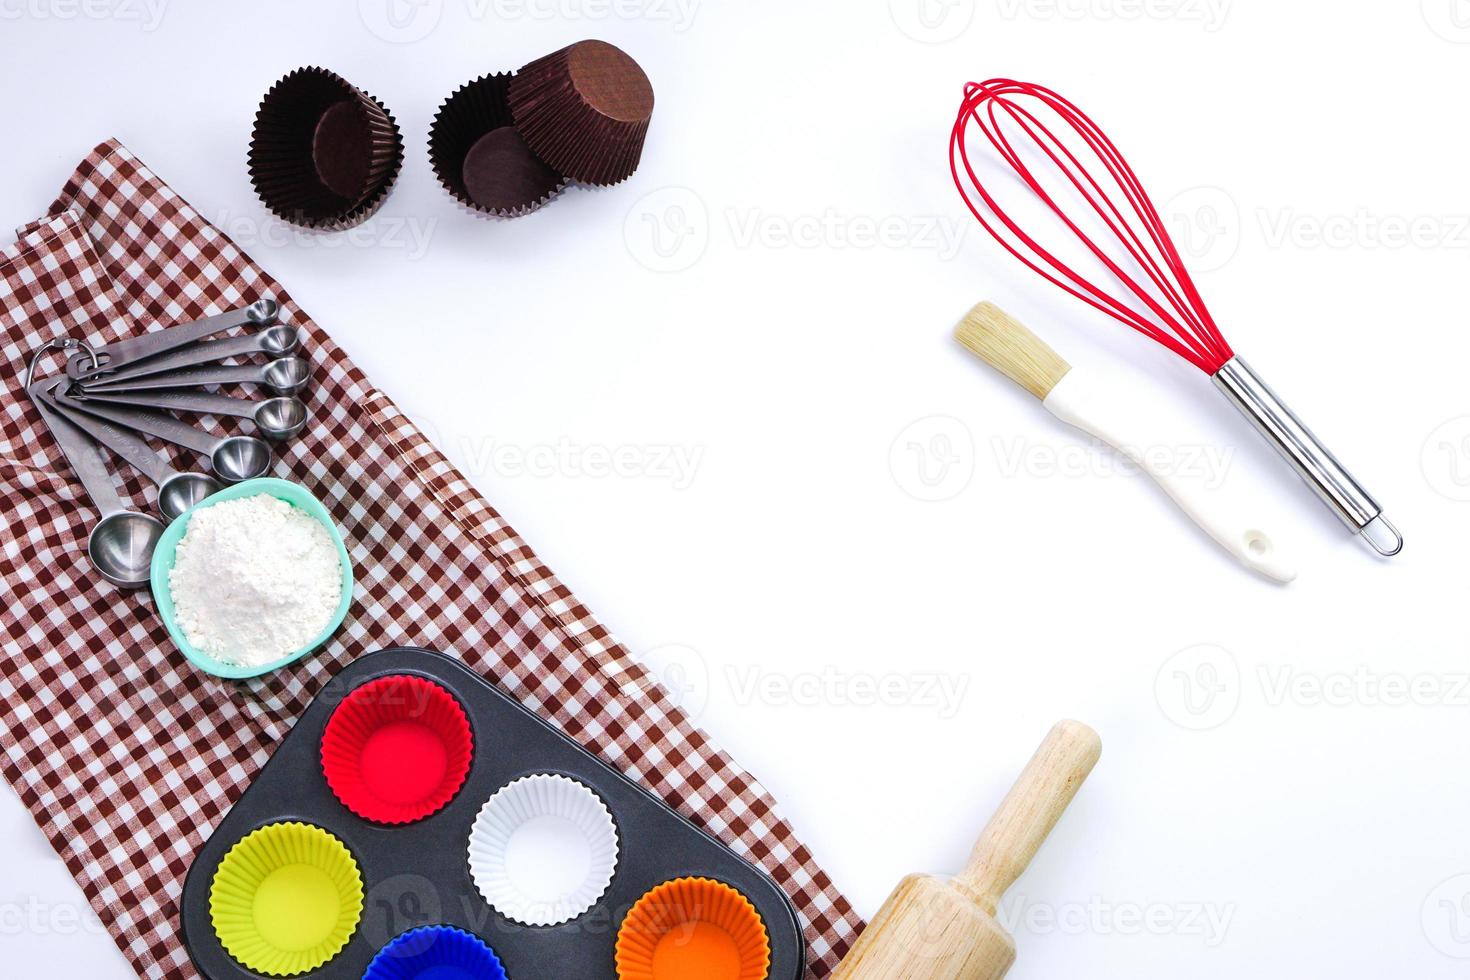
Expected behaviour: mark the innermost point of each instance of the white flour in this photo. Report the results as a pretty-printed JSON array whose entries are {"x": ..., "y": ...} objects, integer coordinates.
[{"x": 254, "y": 579}]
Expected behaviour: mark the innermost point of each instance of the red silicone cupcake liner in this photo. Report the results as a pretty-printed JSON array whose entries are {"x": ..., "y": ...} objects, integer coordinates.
[
  {"x": 397, "y": 749},
  {"x": 584, "y": 110}
]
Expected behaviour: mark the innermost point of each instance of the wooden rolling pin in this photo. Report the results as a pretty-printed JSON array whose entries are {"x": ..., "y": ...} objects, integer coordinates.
[{"x": 936, "y": 929}]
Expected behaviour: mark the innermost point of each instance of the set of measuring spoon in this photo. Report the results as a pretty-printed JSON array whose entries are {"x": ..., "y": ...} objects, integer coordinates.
[{"x": 112, "y": 397}]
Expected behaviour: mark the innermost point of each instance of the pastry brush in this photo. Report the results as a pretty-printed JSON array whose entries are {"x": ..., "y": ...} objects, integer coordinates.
[{"x": 1118, "y": 420}]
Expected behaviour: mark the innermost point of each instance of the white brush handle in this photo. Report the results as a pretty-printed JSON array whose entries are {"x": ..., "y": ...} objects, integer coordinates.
[{"x": 1117, "y": 419}]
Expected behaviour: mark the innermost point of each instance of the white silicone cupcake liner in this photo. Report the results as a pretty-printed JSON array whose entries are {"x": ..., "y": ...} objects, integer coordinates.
[{"x": 543, "y": 850}]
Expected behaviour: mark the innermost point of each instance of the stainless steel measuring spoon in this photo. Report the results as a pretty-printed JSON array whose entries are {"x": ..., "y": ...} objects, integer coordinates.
[
  {"x": 177, "y": 491},
  {"x": 262, "y": 313},
  {"x": 120, "y": 545},
  {"x": 277, "y": 419},
  {"x": 284, "y": 376},
  {"x": 277, "y": 341},
  {"x": 233, "y": 458}
]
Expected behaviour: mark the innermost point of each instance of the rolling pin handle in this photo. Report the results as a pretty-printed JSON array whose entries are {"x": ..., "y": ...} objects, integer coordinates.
[{"x": 1029, "y": 812}]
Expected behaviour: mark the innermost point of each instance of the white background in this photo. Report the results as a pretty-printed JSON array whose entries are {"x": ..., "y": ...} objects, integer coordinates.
[{"x": 1268, "y": 803}]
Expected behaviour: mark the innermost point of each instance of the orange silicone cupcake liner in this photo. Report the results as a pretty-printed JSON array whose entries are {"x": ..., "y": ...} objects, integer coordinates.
[{"x": 693, "y": 929}]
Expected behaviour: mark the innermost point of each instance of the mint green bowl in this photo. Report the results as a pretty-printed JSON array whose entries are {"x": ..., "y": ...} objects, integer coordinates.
[{"x": 163, "y": 563}]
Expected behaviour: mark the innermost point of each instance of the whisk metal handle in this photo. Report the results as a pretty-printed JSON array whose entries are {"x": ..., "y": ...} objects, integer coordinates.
[{"x": 1316, "y": 465}]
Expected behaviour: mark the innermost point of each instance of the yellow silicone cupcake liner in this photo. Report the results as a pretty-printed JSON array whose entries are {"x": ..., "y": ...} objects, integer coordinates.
[{"x": 286, "y": 899}]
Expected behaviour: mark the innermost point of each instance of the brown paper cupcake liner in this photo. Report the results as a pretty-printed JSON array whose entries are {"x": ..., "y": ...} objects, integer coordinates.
[
  {"x": 585, "y": 111},
  {"x": 324, "y": 154},
  {"x": 480, "y": 157}
]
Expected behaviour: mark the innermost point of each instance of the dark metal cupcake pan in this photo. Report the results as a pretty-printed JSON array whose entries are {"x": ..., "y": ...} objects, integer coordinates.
[{"x": 419, "y": 874}]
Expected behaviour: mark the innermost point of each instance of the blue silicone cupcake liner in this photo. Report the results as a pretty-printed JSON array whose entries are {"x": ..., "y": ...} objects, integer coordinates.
[{"x": 442, "y": 952}]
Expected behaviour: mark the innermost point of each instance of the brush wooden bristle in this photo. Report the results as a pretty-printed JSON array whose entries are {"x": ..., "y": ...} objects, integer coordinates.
[{"x": 996, "y": 338}]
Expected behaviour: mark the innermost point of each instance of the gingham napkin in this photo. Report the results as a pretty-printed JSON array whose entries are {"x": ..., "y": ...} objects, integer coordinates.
[{"x": 125, "y": 753}]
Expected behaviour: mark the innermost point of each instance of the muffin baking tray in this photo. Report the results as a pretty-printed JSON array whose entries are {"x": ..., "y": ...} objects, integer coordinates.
[{"x": 440, "y": 844}]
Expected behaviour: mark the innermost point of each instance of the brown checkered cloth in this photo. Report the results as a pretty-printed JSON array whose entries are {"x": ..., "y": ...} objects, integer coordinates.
[{"x": 125, "y": 753}]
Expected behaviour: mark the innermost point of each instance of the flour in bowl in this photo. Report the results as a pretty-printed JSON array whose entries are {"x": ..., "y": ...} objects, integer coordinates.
[{"x": 254, "y": 579}]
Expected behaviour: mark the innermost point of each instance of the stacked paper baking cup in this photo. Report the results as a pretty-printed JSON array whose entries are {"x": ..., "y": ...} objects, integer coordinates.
[{"x": 506, "y": 144}]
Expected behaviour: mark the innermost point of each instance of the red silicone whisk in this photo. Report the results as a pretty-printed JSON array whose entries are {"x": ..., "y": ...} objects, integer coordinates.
[{"x": 1076, "y": 179}]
